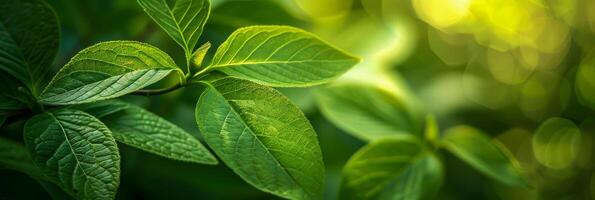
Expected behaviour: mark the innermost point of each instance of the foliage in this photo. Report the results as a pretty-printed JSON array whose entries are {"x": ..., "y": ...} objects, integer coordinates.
[
  {"x": 405, "y": 166},
  {"x": 253, "y": 129},
  {"x": 400, "y": 162},
  {"x": 227, "y": 99}
]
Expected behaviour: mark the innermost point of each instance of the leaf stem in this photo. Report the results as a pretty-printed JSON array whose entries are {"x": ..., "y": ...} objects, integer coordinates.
[
  {"x": 158, "y": 91},
  {"x": 187, "y": 78},
  {"x": 203, "y": 71},
  {"x": 188, "y": 56}
]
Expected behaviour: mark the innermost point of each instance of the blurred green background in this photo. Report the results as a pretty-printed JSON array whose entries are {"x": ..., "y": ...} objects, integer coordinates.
[{"x": 503, "y": 66}]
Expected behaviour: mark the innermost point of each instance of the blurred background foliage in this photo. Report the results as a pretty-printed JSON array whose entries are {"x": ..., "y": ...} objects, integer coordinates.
[{"x": 522, "y": 71}]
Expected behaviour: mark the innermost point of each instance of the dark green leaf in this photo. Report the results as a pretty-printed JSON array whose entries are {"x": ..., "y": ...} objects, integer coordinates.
[
  {"x": 485, "y": 155},
  {"x": 183, "y": 22},
  {"x": 15, "y": 156},
  {"x": 135, "y": 126},
  {"x": 263, "y": 137},
  {"x": 29, "y": 35},
  {"x": 366, "y": 112},
  {"x": 76, "y": 151},
  {"x": 55, "y": 191},
  {"x": 102, "y": 108},
  {"x": 395, "y": 167},
  {"x": 12, "y": 98},
  {"x": 107, "y": 70},
  {"x": 8, "y": 105},
  {"x": 280, "y": 56}
]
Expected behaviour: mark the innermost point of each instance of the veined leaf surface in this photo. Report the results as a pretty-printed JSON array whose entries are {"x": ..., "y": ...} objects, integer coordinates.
[
  {"x": 107, "y": 70},
  {"x": 183, "y": 21},
  {"x": 263, "y": 137},
  {"x": 29, "y": 35},
  {"x": 139, "y": 128},
  {"x": 76, "y": 151},
  {"x": 280, "y": 56},
  {"x": 103, "y": 108}
]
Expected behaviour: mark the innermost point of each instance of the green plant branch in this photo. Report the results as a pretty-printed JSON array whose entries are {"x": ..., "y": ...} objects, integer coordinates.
[
  {"x": 188, "y": 79},
  {"x": 201, "y": 72},
  {"x": 158, "y": 91},
  {"x": 188, "y": 56}
]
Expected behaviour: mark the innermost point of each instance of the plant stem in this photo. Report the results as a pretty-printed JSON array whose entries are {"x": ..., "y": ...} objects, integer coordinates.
[
  {"x": 31, "y": 96},
  {"x": 203, "y": 71},
  {"x": 188, "y": 56},
  {"x": 157, "y": 91},
  {"x": 187, "y": 79}
]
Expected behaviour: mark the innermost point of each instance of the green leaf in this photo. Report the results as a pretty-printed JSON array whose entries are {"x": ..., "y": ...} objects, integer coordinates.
[
  {"x": 262, "y": 137},
  {"x": 29, "y": 35},
  {"x": 183, "y": 21},
  {"x": 557, "y": 143},
  {"x": 9, "y": 104},
  {"x": 54, "y": 191},
  {"x": 366, "y": 112},
  {"x": 2, "y": 120},
  {"x": 107, "y": 70},
  {"x": 280, "y": 56},
  {"x": 76, "y": 151},
  {"x": 14, "y": 96},
  {"x": 395, "y": 167},
  {"x": 134, "y": 126},
  {"x": 485, "y": 155},
  {"x": 15, "y": 156},
  {"x": 199, "y": 55},
  {"x": 102, "y": 108}
]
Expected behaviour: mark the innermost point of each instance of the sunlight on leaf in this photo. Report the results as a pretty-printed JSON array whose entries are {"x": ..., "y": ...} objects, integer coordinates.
[
  {"x": 366, "y": 112},
  {"x": 108, "y": 70},
  {"x": 280, "y": 56},
  {"x": 262, "y": 137},
  {"x": 184, "y": 22}
]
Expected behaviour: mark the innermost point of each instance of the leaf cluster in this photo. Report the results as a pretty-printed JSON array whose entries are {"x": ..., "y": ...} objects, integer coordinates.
[
  {"x": 71, "y": 139},
  {"x": 400, "y": 161}
]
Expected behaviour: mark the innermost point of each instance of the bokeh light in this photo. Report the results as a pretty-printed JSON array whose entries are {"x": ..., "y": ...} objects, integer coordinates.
[
  {"x": 556, "y": 143},
  {"x": 585, "y": 80},
  {"x": 519, "y": 142},
  {"x": 442, "y": 13},
  {"x": 522, "y": 71}
]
